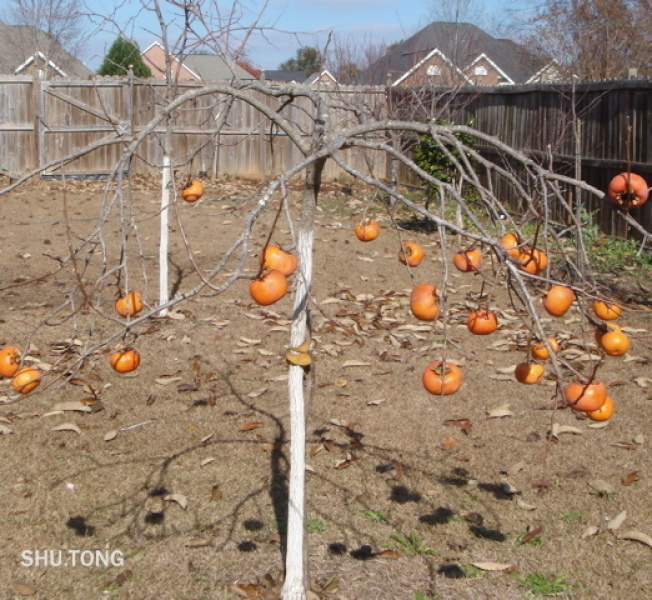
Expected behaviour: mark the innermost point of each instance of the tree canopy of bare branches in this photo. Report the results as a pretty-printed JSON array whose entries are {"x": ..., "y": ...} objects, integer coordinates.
[{"x": 596, "y": 39}]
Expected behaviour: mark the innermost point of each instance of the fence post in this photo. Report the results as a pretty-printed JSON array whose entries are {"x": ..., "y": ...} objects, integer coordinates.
[{"x": 39, "y": 118}]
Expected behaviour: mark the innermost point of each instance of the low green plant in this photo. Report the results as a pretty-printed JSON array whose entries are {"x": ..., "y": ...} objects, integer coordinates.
[
  {"x": 315, "y": 525},
  {"x": 411, "y": 544},
  {"x": 611, "y": 254},
  {"x": 539, "y": 584},
  {"x": 537, "y": 540},
  {"x": 472, "y": 572},
  {"x": 422, "y": 596},
  {"x": 469, "y": 499},
  {"x": 571, "y": 517},
  {"x": 603, "y": 494},
  {"x": 377, "y": 515}
]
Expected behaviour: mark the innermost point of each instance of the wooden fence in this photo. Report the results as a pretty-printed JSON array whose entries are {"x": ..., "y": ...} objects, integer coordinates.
[
  {"x": 43, "y": 121},
  {"x": 580, "y": 129}
]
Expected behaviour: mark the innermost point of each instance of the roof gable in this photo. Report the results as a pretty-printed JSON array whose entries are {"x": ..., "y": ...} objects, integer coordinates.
[
  {"x": 427, "y": 62},
  {"x": 24, "y": 46},
  {"x": 461, "y": 44},
  {"x": 501, "y": 75},
  {"x": 154, "y": 58},
  {"x": 324, "y": 76},
  {"x": 33, "y": 59}
]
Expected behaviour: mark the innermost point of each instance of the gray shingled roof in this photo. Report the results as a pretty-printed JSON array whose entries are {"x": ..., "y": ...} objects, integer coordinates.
[
  {"x": 211, "y": 67},
  {"x": 285, "y": 76},
  {"x": 20, "y": 42},
  {"x": 461, "y": 43}
]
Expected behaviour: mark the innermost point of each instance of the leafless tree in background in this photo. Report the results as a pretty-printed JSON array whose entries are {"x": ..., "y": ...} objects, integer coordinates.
[
  {"x": 62, "y": 22},
  {"x": 596, "y": 39},
  {"x": 349, "y": 55}
]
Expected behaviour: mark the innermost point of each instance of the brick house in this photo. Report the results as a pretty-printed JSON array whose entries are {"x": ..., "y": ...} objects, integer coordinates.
[{"x": 459, "y": 54}]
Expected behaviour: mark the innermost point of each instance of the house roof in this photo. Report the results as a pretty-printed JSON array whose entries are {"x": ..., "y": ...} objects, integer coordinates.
[
  {"x": 461, "y": 43},
  {"x": 285, "y": 76},
  {"x": 204, "y": 67},
  {"x": 154, "y": 58},
  {"x": 22, "y": 45},
  {"x": 211, "y": 67},
  {"x": 324, "y": 75}
]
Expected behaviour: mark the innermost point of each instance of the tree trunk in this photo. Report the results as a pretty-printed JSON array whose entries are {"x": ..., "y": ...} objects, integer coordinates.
[{"x": 296, "y": 563}]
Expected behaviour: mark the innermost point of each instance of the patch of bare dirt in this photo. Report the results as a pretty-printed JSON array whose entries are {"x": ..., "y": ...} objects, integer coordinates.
[{"x": 177, "y": 475}]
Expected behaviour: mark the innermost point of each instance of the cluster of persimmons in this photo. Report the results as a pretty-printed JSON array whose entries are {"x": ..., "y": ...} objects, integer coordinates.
[{"x": 590, "y": 396}]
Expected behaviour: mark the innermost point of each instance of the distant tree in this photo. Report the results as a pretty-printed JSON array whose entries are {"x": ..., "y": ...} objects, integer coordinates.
[
  {"x": 53, "y": 25},
  {"x": 121, "y": 54},
  {"x": 307, "y": 59},
  {"x": 247, "y": 66},
  {"x": 596, "y": 39}
]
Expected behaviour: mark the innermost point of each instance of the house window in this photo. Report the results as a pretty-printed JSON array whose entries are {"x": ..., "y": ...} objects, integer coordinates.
[
  {"x": 434, "y": 70},
  {"x": 480, "y": 70}
]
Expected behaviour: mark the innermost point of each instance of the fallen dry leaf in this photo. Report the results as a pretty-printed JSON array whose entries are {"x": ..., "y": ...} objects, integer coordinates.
[
  {"x": 464, "y": 424},
  {"x": 499, "y": 412},
  {"x": 630, "y": 478},
  {"x": 356, "y": 363},
  {"x": 110, "y": 435},
  {"x": 23, "y": 589},
  {"x": 167, "y": 379},
  {"x": 67, "y": 427},
  {"x": 530, "y": 535},
  {"x": 387, "y": 554},
  {"x": 508, "y": 488},
  {"x": 249, "y": 426},
  {"x": 558, "y": 429},
  {"x": 636, "y": 536},
  {"x": 599, "y": 485},
  {"x": 491, "y": 566},
  {"x": 626, "y": 445},
  {"x": 180, "y": 499},
  {"x": 448, "y": 443},
  {"x": 617, "y": 521},
  {"x": 247, "y": 590},
  {"x": 589, "y": 531},
  {"x": 525, "y": 505},
  {"x": 72, "y": 405}
]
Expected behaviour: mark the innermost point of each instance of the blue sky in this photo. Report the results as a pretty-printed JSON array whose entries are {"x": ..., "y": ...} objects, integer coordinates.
[{"x": 358, "y": 20}]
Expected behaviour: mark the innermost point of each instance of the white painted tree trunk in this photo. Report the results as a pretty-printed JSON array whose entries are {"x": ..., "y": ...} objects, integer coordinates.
[
  {"x": 295, "y": 586},
  {"x": 166, "y": 180}
]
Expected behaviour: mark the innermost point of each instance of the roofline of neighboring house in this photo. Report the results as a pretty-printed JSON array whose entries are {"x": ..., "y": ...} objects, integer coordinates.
[
  {"x": 553, "y": 62},
  {"x": 42, "y": 56},
  {"x": 187, "y": 68},
  {"x": 424, "y": 60},
  {"x": 321, "y": 74},
  {"x": 509, "y": 80}
]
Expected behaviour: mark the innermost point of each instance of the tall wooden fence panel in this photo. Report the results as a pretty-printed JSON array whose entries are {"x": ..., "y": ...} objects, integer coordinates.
[
  {"x": 590, "y": 130},
  {"x": 41, "y": 122}
]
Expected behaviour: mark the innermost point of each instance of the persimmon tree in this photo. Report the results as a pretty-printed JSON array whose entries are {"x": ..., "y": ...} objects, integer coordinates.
[{"x": 334, "y": 128}]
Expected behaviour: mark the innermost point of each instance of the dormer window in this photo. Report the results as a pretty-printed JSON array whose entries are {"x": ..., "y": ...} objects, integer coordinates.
[
  {"x": 434, "y": 70},
  {"x": 480, "y": 70}
]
